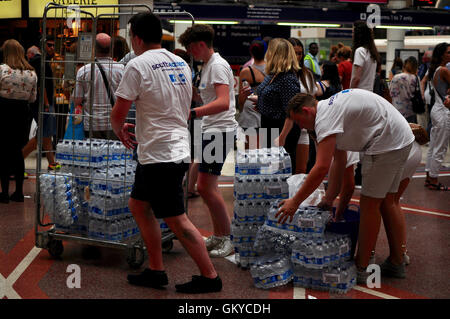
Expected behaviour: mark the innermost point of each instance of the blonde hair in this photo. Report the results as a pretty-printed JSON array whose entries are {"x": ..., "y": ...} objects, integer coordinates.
[
  {"x": 14, "y": 55},
  {"x": 280, "y": 57}
]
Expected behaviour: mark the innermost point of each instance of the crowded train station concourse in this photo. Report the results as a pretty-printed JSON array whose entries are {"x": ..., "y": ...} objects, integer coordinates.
[{"x": 217, "y": 150}]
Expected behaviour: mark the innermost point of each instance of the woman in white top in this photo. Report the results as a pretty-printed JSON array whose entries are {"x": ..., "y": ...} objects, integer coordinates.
[
  {"x": 18, "y": 83},
  {"x": 402, "y": 89},
  {"x": 365, "y": 57},
  {"x": 440, "y": 116}
]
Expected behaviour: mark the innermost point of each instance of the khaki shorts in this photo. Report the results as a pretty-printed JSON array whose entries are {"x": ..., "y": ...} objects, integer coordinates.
[{"x": 382, "y": 173}]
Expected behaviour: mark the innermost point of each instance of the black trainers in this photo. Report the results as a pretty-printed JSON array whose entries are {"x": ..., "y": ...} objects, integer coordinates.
[
  {"x": 200, "y": 284},
  {"x": 149, "y": 278},
  {"x": 15, "y": 197}
]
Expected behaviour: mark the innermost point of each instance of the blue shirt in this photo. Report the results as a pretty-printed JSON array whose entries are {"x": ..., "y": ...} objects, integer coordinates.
[{"x": 273, "y": 97}]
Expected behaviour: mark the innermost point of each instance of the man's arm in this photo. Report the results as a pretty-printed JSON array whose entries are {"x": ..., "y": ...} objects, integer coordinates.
[
  {"x": 220, "y": 104},
  {"x": 335, "y": 178},
  {"x": 120, "y": 128},
  {"x": 325, "y": 151}
]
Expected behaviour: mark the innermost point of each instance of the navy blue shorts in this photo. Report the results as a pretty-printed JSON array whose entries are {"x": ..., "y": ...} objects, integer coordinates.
[
  {"x": 215, "y": 148},
  {"x": 161, "y": 185}
]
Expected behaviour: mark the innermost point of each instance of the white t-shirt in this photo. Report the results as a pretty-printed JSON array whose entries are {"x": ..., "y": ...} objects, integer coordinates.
[
  {"x": 217, "y": 71},
  {"x": 369, "y": 68},
  {"x": 363, "y": 122},
  {"x": 161, "y": 84}
]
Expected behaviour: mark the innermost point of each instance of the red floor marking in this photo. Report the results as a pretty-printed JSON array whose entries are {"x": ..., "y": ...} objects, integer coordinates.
[
  {"x": 284, "y": 292},
  {"x": 27, "y": 286},
  {"x": 17, "y": 254},
  {"x": 406, "y": 210},
  {"x": 402, "y": 294},
  {"x": 356, "y": 294}
]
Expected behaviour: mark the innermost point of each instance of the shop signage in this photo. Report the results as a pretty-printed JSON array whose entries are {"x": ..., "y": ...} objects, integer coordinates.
[
  {"x": 10, "y": 9},
  {"x": 36, "y": 7}
]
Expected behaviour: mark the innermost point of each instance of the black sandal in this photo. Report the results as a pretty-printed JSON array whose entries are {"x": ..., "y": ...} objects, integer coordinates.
[{"x": 437, "y": 187}]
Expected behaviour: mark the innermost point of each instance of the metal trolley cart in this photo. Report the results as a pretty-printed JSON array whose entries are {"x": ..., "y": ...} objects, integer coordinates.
[{"x": 87, "y": 199}]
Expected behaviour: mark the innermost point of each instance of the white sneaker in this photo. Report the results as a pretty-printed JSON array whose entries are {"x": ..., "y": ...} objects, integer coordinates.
[
  {"x": 223, "y": 249},
  {"x": 211, "y": 242}
]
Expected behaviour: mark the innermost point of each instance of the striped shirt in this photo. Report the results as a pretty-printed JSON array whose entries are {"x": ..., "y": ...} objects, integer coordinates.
[{"x": 101, "y": 108}]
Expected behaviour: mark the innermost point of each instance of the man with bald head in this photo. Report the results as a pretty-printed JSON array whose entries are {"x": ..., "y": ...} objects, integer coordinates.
[{"x": 104, "y": 89}]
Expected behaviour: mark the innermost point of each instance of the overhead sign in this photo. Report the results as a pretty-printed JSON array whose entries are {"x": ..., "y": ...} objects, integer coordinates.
[
  {"x": 10, "y": 9},
  {"x": 365, "y": 1},
  {"x": 226, "y": 37},
  {"x": 36, "y": 7},
  {"x": 297, "y": 14}
]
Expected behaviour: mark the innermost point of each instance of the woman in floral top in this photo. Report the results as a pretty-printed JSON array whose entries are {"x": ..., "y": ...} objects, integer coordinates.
[
  {"x": 402, "y": 89},
  {"x": 18, "y": 84}
]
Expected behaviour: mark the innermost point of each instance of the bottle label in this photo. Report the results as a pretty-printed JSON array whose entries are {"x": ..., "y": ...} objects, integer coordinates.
[
  {"x": 331, "y": 278},
  {"x": 306, "y": 223}
]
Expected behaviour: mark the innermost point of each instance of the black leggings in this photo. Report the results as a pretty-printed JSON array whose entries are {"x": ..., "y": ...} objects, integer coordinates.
[
  {"x": 291, "y": 140},
  {"x": 13, "y": 123}
]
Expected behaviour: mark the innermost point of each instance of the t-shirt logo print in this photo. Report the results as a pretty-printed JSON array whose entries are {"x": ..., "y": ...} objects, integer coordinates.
[{"x": 180, "y": 79}]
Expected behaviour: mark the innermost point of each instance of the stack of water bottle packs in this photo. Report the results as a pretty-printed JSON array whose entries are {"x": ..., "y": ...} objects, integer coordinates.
[
  {"x": 300, "y": 250},
  {"x": 96, "y": 178},
  {"x": 260, "y": 178},
  {"x": 62, "y": 202}
]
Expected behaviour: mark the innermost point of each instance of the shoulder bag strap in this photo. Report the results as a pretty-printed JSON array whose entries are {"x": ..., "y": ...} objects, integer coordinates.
[
  {"x": 252, "y": 73},
  {"x": 105, "y": 81}
]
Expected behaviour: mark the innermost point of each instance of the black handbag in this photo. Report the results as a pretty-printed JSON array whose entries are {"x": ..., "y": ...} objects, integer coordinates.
[{"x": 418, "y": 104}]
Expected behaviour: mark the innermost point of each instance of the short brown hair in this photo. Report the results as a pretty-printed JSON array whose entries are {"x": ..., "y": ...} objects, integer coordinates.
[
  {"x": 345, "y": 52},
  {"x": 196, "y": 33},
  {"x": 298, "y": 102}
]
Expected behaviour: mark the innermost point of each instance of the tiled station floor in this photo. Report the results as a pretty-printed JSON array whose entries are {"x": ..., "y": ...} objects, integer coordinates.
[{"x": 28, "y": 272}]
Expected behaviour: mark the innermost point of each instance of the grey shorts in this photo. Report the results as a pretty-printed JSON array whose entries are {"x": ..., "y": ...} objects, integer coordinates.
[{"x": 382, "y": 173}]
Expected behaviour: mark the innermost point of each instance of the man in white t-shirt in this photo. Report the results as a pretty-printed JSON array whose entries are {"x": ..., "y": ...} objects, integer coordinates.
[
  {"x": 360, "y": 121},
  {"x": 218, "y": 130},
  {"x": 160, "y": 83}
]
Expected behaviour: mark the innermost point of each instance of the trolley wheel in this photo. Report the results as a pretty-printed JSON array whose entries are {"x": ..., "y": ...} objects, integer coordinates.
[
  {"x": 135, "y": 257},
  {"x": 55, "y": 248},
  {"x": 167, "y": 245}
]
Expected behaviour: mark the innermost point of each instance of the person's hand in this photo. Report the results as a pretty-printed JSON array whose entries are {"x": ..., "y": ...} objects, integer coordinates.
[
  {"x": 245, "y": 91},
  {"x": 127, "y": 138},
  {"x": 325, "y": 204},
  {"x": 78, "y": 115},
  {"x": 447, "y": 101},
  {"x": 287, "y": 210},
  {"x": 280, "y": 141}
]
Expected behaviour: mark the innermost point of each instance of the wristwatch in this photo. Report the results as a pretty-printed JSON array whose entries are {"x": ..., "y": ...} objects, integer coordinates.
[{"x": 193, "y": 114}]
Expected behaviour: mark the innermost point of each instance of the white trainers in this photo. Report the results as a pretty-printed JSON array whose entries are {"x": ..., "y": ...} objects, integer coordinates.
[
  {"x": 223, "y": 249},
  {"x": 211, "y": 242}
]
